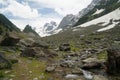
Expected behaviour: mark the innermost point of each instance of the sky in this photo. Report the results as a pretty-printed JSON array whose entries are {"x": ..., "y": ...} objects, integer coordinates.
[{"x": 38, "y": 12}]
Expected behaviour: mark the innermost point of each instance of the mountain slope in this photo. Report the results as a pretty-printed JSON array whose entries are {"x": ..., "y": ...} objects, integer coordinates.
[
  {"x": 71, "y": 19},
  {"x": 7, "y": 24},
  {"x": 28, "y": 29},
  {"x": 107, "y": 5},
  {"x": 114, "y": 15}
]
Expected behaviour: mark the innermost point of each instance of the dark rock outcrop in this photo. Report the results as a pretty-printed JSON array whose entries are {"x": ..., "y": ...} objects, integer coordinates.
[
  {"x": 65, "y": 47},
  {"x": 4, "y": 63},
  {"x": 10, "y": 39},
  {"x": 37, "y": 52},
  {"x": 113, "y": 61},
  {"x": 91, "y": 65}
]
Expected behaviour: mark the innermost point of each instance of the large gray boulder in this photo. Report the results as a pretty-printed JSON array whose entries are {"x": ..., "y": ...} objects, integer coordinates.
[
  {"x": 10, "y": 39},
  {"x": 65, "y": 47},
  {"x": 113, "y": 61},
  {"x": 4, "y": 63}
]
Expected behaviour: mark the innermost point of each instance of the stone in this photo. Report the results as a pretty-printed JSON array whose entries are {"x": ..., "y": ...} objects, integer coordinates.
[
  {"x": 99, "y": 77},
  {"x": 33, "y": 52},
  {"x": 88, "y": 60},
  {"x": 10, "y": 39},
  {"x": 65, "y": 47},
  {"x": 113, "y": 60},
  {"x": 4, "y": 63},
  {"x": 71, "y": 76},
  {"x": 35, "y": 79},
  {"x": 50, "y": 68},
  {"x": 91, "y": 65},
  {"x": 38, "y": 52},
  {"x": 77, "y": 71}
]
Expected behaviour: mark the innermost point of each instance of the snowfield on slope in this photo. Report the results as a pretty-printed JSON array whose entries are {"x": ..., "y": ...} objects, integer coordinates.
[
  {"x": 98, "y": 11},
  {"x": 115, "y": 15},
  {"x": 108, "y": 27}
]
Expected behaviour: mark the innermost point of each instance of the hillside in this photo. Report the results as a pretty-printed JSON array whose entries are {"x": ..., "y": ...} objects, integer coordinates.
[
  {"x": 7, "y": 24},
  {"x": 28, "y": 29},
  {"x": 107, "y": 5}
]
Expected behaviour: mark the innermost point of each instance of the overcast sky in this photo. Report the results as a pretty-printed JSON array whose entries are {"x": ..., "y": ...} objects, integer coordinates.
[{"x": 38, "y": 12}]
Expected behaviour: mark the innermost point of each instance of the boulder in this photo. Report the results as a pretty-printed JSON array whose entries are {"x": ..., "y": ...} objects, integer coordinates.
[
  {"x": 30, "y": 42},
  {"x": 38, "y": 52},
  {"x": 50, "y": 68},
  {"x": 4, "y": 63},
  {"x": 65, "y": 47},
  {"x": 33, "y": 52},
  {"x": 10, "y": 39},
  {"x": 91, "y": 65},
  {"x": 99, "y": 77},
  {"x": 113, "y": 60},
  {"x": 40, "y": 44}
]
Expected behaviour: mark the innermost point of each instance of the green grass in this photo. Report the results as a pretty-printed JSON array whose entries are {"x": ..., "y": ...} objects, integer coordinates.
[
  {"x": 102, "y": 55},
  {"x": 22, "y": 69}
]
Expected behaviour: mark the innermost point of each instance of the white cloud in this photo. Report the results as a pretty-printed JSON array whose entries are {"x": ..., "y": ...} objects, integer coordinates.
[
  {"x": 24, "y": 13},
  {"x": 19, "y": 10},
  {"x": 64, "y": 7}
]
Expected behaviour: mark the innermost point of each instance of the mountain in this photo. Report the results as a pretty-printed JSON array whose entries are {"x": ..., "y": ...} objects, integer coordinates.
[
  {"x": 103, "y": 21},
  {"x": 71, "y": 19},
  {"x": 101, "y": 31},
  {"x": 28, "y": 29},
  {"x": 50, "y": 29},
  {"x": 7, "y": 25},
  {"x": 104, "y": 7}
]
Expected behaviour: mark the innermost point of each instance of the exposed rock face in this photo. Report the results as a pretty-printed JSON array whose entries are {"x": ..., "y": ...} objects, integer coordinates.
[
  {"x": 113, "y": 62},
  {"x": 10, "y": 39},
  {"x": 37, "y": 52},
  {"x": 64, "y": 47},
  {"x": 91, "y": 63},
  {"x": 4, "y": 63},
  {"x": 50, "y": 68}
]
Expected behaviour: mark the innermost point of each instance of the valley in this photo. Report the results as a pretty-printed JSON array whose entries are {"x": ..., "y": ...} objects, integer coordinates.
[{"x": 85, "y": 46}]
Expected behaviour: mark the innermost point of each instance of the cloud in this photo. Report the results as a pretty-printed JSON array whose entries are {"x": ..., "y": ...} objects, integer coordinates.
[
  {"x": 38, "y": 12},
  {"x": 63, "y": 7},
  {"x": 19, "y": 10}
]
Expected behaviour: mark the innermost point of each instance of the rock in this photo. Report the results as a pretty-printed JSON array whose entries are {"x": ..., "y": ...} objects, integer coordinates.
[
  {"x": 91, "y": 65},
  {"x": 4, "y": 63},
  {"x": 40, "y": 44},
  {"x": 71, "y": 76},
  {"x": 113, "y": 61},
  {"x": 99, "y": 77},
  {"x": 7, "y": 72},
  {"x": 77, "y": 71},
  {"x": 67, "y": 64},
  {"x": 50, "y": 68},
  {"x": 31, "y": 42},
  {"x": 33, "y": 52},
  {"x": 26, "y": 42},
  {"x": 65, "y": 47},
  {"x": 38, "y": 52},
  {"x": 89, "y": 60},
  {"x": 10, "y": 39},
  {"x": 35, "y": 79},
  {"x": 30, "y": 72}
]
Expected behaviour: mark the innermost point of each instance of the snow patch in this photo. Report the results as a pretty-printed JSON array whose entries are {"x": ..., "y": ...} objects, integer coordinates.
[
  {"x": 105, "y": 19},
  {"x": 118, "y": 1},
  {"x": 107, "y": 28},
  {"x": 75, "y": 29},
  {"x": 98, "y": 11},
  {"x": 57, "y": 31}
]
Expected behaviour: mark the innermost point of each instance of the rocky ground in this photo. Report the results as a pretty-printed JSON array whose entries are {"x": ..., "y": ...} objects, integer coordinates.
[{"x": 30, "y": 58}]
